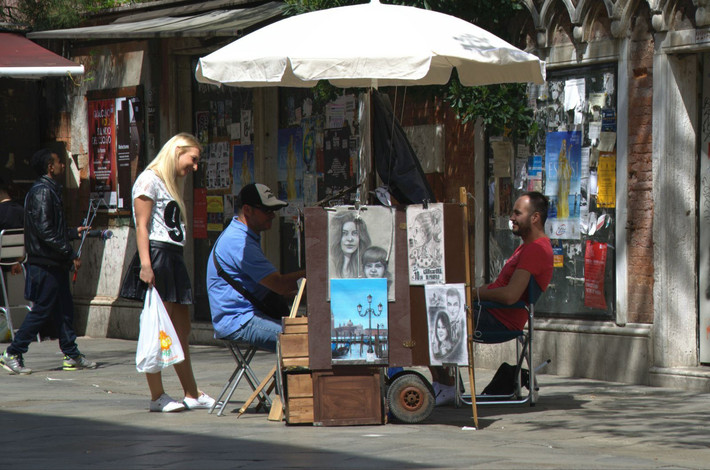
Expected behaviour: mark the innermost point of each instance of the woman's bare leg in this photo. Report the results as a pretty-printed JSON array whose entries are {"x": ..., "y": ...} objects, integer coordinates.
[{"x": 155, "y": 384}]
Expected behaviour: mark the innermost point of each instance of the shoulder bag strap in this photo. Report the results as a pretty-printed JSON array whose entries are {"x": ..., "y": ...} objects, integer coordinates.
[{"x": 234, "y": 283}]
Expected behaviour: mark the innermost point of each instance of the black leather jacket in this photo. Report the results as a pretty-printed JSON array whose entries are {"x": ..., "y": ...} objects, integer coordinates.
[{"x": 46, "y": 234}]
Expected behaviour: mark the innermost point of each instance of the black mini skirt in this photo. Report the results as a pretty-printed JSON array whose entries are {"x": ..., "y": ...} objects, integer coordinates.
[{"x": 171, "y": 278}]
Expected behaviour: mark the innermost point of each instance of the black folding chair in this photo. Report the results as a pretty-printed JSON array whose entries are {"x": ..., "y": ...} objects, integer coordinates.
[{"x": 524, "y": 353}]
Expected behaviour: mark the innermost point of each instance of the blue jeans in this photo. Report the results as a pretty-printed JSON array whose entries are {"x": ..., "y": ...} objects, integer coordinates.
[
  {"x": 261, "y": 331},
  {"x": 48, "y": 288}
]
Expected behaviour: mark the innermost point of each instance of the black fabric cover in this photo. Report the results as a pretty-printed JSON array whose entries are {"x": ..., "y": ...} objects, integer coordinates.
[{"x": 395, "y": 160}]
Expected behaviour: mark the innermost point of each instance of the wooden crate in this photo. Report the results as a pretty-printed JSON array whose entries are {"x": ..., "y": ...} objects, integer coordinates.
[
  {"x": 299, "y": 401},
  {"x": 294, "y": 342},
  {"x": 347, "y": 396},
  {"x": 294, "y": 325},
  {"x": 298, "y": 384}
]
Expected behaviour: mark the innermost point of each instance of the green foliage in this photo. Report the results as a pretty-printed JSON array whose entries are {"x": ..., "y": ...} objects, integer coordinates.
[
  {"x": 502, "y": 108},
  {"x": 41, "y": 15}
]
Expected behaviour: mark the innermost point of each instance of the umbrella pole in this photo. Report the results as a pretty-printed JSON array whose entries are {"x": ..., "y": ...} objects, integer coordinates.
[{"x": 470, "y": 327}]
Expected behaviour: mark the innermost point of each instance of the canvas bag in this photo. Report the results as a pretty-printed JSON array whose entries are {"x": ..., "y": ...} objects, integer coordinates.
[
  {"x": 158, "y": 343},
  {"x": 503, "y": 382}
]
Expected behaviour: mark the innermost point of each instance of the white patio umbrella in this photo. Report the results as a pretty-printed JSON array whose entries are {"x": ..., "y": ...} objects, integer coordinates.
[{"x": 369, "y": 45}]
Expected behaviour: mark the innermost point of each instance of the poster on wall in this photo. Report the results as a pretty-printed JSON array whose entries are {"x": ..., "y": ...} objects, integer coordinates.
[
  {"x": 337, "y": 171},
  {"x": 563, "y": 164},
  {"x": 202, "y": 127},
  {"x": 362, "y": 244},
  {"x": 199, "y": 213},
  {"x": 594, "y": 267},
  {"x": 102, "y": 155},
  {"x": 446, "y": 321},
  {"x": 215, "y": 213},
  {"x": 606, "y": 180},
  {"x": 290, "y": 168},
  {"x": 243, "y": 166},
  {"x": 359, "y": 326},
  {"x": 425, "y": 244},
  {"x": 129, "y": 126}
]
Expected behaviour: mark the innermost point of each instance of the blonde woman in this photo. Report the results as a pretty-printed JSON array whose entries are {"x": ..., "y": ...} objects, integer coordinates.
[{"x": 158, "y": 212}]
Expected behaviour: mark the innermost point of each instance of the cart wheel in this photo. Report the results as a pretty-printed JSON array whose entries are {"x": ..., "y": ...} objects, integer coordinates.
[{"x": 409, "y": 399}]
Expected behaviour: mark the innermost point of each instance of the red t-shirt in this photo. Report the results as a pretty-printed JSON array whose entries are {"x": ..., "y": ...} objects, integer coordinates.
[{"x": 535, "y": 258}]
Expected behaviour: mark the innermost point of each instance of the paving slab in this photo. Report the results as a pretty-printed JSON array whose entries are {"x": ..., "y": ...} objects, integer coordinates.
[{"x": 99, "y": 419}]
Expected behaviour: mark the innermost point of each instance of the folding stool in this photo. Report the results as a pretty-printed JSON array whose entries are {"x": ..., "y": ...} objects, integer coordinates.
[{"x": 243, "y": 354}]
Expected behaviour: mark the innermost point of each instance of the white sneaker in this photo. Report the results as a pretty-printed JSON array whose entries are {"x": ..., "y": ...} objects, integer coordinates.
[
  {"x": 165, "y": 404},
  {"x": 444, "y": 394},
  {"x": 204, "y": 401}
]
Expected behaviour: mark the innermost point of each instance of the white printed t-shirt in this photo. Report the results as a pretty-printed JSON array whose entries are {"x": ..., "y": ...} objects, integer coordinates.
[{"x": 165, "y": 224}]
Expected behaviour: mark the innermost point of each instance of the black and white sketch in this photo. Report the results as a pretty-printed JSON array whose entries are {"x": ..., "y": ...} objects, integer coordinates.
[
  {"x": 447, "y": 324},
  {"x": 361, "y": 244},
  {"x": 425, "y": 239}
]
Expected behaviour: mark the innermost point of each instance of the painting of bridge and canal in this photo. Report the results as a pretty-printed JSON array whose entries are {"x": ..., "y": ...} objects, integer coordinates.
[{"x": 359, "y": 328}]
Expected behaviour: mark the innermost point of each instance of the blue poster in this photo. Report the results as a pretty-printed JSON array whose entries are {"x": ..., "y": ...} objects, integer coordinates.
[
  {"x": 290, "y": 165},
  {"x": 243, "y": 167},
  {"x": 563, "y": 164}
]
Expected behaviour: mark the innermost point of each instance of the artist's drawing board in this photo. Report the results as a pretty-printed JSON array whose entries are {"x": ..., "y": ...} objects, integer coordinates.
[{"x": 408, "y": 336}]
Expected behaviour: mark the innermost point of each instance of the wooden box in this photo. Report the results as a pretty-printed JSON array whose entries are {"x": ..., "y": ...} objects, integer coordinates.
[
  {"x": 346, "y": 396},
  {"x": 294, "y": 342},
  {"x": 299, "y": 401}
]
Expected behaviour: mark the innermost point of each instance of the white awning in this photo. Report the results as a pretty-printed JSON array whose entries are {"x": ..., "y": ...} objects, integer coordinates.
[
  {"x": 22, "y": 58},
  {"x": 227, "y": 23}
]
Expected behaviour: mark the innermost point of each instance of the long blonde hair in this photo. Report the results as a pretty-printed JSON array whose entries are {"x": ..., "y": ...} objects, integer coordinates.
[{"x": 165, "y": 165}]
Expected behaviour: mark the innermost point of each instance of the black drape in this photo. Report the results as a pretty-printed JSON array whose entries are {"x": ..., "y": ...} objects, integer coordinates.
[{"x": 395, "y": 160}]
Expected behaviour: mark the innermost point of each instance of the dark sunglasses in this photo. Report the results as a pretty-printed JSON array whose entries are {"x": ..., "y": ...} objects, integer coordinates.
[{"x": 266, "y": 210}]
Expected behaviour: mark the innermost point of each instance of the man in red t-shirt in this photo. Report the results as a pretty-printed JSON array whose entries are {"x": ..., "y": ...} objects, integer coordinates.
[{"x": 532, "y": 258}]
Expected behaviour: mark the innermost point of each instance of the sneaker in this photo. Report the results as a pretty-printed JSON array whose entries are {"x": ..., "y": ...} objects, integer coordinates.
[
  {"x": 14, "y": 364},
  {"x": 165, "y": 404},
  {"x": 444, "y": 394},
  {"x": 204, "y": 401},
  {"x": 78, "y": 362}
]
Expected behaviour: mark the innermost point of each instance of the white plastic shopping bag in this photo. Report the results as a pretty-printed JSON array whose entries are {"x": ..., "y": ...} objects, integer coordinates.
[{"x": 158, "y": 343}]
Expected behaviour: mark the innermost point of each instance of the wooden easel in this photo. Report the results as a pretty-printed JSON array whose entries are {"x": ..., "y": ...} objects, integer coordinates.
[
  {"x": 470, "y": 327},
  {"x": 276, "y": 412}
]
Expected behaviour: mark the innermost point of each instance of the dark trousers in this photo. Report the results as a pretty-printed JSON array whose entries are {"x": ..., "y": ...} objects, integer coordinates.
[{"x": 48, "y": 288}]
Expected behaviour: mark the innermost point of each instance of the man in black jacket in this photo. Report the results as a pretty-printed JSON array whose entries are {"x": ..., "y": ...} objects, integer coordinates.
[{"x": 49, "y": 258}]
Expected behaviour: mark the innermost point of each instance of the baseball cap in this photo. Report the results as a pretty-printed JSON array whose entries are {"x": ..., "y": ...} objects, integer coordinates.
[{"x": 259, "y": 196}]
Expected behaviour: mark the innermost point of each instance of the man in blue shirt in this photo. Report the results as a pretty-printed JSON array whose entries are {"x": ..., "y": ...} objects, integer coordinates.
[{"x": 238, "y": 251}]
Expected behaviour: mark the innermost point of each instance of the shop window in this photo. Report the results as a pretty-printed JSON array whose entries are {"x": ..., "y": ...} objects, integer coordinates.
[
  {"x": 317, "y": 160},
  {"x": 223, "y": 123},
  {"x": 573, "y": 162}
]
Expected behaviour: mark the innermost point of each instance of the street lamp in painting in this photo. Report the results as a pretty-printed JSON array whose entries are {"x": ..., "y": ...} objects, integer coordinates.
[{"x": 369, "y": 312}]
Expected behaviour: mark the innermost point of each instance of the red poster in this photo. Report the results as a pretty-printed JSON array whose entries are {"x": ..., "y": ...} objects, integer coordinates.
[
  {"x": 102, "y": 150},
  {"x": 199, "y": 214},
  {"x": 594, "y": 267}
]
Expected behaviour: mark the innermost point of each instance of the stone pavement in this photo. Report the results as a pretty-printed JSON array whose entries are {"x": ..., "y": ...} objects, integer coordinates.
[{"x": 99, "y": 419}]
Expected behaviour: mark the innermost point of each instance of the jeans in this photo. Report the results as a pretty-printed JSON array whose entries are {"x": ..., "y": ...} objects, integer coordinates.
[
  {"x": 261, "y": 331},
  {"x": 486, "y": 322},
  {"x": 48, "y": 288}
]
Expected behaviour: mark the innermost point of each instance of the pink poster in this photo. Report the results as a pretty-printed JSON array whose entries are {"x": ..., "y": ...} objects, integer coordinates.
[
  {"x": 102, "y": 149},
  {"x": 199, "y": 214}
]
